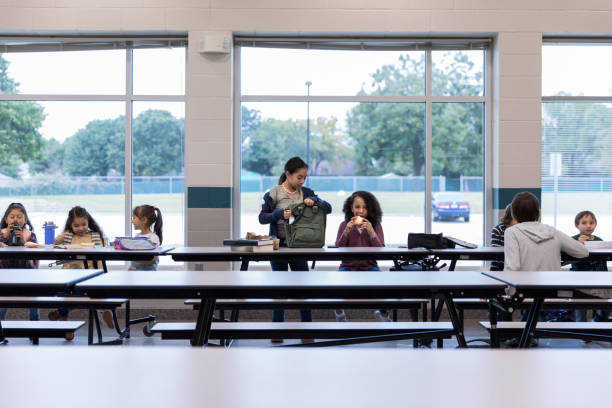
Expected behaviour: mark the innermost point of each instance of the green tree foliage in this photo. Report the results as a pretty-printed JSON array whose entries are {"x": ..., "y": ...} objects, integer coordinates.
[
  {"x": 50, "y": 161},
  {"x": 581, "y": 132},
  {"x": 267, "y": 144},
  {"x": 99, "y": 148},
  {"x": 94, "y": 150},
  {"x": 390, "y": 137}
]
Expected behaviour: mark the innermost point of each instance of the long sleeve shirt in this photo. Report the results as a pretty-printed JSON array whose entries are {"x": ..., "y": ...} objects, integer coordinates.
[{"x": 355, "y": 238}]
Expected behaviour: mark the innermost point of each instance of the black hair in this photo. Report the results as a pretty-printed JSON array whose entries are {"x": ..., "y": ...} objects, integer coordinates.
[
  {"x": 20, "y": 207},
  {"x": 80, "y": 212},
  {"x": 525, "y": 207},
  {"x": 507, "y": 218},
  {"x": 582, "y": 214},
  {"x": 153, "y": 216},
  {"x": 372, "y": 205},
  {"x": 293, "y": 164}
]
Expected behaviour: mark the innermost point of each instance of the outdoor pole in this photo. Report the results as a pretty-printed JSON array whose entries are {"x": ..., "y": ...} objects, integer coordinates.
[{"x": 308, "y": 83}]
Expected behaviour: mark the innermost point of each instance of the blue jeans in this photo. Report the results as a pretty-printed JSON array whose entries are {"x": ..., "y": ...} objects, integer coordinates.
[
  {"x": 34, "y": 314},
  {"x": 278, "y": 315},
  {"x": 372, "y": 269}
]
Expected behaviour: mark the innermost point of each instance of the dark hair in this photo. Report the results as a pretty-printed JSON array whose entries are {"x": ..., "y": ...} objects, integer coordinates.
[
  {"x": 292, "y": 165},
  {"x": 584, "y": 214},
  {"x": 372, "y": 205},
  {"x": 507, "y": 218},
  {"x": 525, "y": 207},
  {"x": 153, "y": 216},
  {"x": 80, "y": 212},
  {"x": 20, "y": 207}
]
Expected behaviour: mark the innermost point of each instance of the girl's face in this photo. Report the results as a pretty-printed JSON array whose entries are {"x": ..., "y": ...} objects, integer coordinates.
[
  {"x": 298, "y": 178},
  {"x": 139, "y": 222},
  {"x": 359, "y": 207},
  {"x": 15, "y": 216},
  {"x": 79, "y": 225}
]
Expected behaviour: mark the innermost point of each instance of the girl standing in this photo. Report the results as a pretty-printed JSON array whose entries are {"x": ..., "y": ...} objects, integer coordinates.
[
  {"x": 361, "y": 228},
  {"x": 274, "y": 211},
  {"x": 16, "y": 220},
  {"x": 143, "y": 217}
]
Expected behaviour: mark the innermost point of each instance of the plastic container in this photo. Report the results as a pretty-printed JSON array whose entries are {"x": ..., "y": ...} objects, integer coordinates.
[{"x": 49, "y": 228}]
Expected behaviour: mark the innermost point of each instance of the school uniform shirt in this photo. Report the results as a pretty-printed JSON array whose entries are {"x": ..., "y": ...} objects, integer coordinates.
[
  {"x": 276, "y": 200},
  {"x": 17, "y": 263},
  {"x": 533, "y": 246},
  {"x": 359, "y": 238},
  {"x": 497, "y": 240},
  {"x": 68, "y": 237}
]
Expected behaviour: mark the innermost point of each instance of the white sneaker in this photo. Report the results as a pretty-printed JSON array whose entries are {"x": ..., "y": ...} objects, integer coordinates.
[
  {"x": 382, "y": 317},
  {"x": 340, "y": 317}
]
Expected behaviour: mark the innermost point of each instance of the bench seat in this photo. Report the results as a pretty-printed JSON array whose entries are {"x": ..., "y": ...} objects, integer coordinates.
[
  {"x": 574, "y": 330},
  {"x": 38, "y": 329},
  {"x": 297, "y": 330}
]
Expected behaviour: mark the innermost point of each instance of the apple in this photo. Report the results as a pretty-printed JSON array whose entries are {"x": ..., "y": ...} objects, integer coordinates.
[{"x": 358, "y": 220}]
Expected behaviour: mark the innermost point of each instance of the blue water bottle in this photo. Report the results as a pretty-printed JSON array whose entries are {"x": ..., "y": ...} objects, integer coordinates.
[{"x": 49, "y": 228}]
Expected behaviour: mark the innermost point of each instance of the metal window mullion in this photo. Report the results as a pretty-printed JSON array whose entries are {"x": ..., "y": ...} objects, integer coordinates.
[
  {"x": 88, "y": 98},
  {"x": 359, "y": 98},
  {"x": 577, "y": 99},
  {"x": 488, "y": 147},
  {"x": 428, "y": 141},
  {"x": 237, "y": 145},
  {"x": 128, "y": 140}
]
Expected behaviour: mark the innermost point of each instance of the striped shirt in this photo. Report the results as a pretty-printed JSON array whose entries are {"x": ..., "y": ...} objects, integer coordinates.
[{"x": 497, "y": 240}]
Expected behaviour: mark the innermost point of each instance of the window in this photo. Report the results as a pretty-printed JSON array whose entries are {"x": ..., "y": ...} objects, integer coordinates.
[
  {"x": 576, "y": 132},
  {"x": 74, "y": 110},
  {"x": 357, "y": 112}
]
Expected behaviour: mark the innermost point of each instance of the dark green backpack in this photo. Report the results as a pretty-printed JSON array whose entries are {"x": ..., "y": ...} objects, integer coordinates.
[{"x": 308, "y": 227}]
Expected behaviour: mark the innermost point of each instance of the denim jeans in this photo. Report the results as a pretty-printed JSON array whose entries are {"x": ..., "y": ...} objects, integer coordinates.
[
  {"x": 278, "y": 315},
  {"x": 372, "y": 269},
  {"x": 34, "y": 314}
]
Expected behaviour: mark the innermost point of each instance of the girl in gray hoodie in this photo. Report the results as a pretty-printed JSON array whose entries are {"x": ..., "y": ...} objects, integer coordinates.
[{"x": 533, "y": 246}]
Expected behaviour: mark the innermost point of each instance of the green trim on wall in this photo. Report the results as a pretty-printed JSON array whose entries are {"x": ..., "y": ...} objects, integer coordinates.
[
  {"x": 209, "y": 197},
  {"x": 503, "y": 196}
]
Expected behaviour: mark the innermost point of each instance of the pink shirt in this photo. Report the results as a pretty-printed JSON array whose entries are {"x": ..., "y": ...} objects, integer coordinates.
[{"x": 359, "y": 239}]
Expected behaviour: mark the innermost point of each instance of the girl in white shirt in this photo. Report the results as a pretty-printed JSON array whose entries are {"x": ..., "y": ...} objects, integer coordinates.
[{"x": 143, "y": 218}]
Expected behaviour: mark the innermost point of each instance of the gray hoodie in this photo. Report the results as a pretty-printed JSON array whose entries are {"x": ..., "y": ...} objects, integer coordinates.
[{"x": 533, "y": 246}]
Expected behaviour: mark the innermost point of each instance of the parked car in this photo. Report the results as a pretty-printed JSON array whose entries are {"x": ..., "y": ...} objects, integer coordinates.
[{"x": 450, "y": 205}]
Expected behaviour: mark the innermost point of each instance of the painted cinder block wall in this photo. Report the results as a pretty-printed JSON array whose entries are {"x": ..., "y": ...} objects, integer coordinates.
[{"x": 516, "y": 25}]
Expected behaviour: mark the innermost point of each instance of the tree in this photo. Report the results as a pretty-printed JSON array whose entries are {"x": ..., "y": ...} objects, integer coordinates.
[
  {"x": 157, "y": 147},
  {"x": 20, "y": 139},
  {"x": 94, "y": 150},
  {"x": 50, "y": 161},
  {"x": 390, "y": 137}
]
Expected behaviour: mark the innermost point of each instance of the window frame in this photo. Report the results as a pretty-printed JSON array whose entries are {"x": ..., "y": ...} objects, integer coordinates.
[{"x": 428, "y": 45}]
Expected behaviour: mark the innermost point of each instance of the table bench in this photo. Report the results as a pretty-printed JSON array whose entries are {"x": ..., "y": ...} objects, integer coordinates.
[
  {"x": 345, "y": 332},
  {"x": 76, "y": 302},
  {"x": 37, "y": 329},
  {"x": 256, "y": 304},
  {"x": 599, "y": 331}
]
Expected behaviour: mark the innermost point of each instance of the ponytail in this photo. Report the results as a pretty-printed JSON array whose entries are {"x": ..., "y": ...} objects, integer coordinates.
[
  {"x": 158, "y": 225},
  {"x": 153, "y": 217},
  {"x": 292, "y": 165}
]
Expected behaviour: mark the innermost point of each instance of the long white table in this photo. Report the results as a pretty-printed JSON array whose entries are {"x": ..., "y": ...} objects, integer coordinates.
[
  {"x": 304, "y": 378},
  {"x": 210, "y": 286}
]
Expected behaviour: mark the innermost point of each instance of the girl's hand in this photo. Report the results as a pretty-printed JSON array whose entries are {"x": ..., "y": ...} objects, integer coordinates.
[
  {"x": 26, "y": 235},
  {"x": 367, "y": 225},
  {"x": 2, "y": 244},
  {"x": 287, "y": 214},
  {"x": 5, "y": 232},
  {"x": 349, "y": 226},
  {"x": 309, "y": 202}
]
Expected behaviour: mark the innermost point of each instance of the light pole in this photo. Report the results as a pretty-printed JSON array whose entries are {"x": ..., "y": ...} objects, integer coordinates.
[{"x": 308, "y": 83}]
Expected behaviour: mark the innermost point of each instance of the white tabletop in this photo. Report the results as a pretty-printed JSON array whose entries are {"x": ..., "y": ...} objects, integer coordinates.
[
  {"x": 91, "y": 377},
  {"x": 17, "y": 278},
  {"x": 554, "y": 279}
]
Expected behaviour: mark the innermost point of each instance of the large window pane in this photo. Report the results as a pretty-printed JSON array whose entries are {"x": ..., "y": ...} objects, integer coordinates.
[
  {"x": 67, "y": 167},
  {"x": 70, "y": 72},
  {"x": 577, "y": 164},
  {"x": 331, "y": 72},
  {"x": 577, "y": 69},
  {"x": 458, "y": 73},
  {"x": 457, "y": 168},
  {"x": 158, "y": 152},
  {"x": 376, "y": 147},
  {"x": 159, "y": 71}
]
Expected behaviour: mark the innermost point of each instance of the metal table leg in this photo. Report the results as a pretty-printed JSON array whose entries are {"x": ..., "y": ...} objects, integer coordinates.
[
  {"x": 532, "y": 321},
  {"x": 452, "y": 312},
  {"x": 202, "y": 329}
]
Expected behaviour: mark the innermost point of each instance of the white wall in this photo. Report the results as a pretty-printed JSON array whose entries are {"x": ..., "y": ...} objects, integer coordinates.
[{"x": 518, "y": 26}]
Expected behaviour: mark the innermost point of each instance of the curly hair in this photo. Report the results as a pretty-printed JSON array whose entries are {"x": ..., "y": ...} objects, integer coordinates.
[{"x": 372, "y": 205}]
